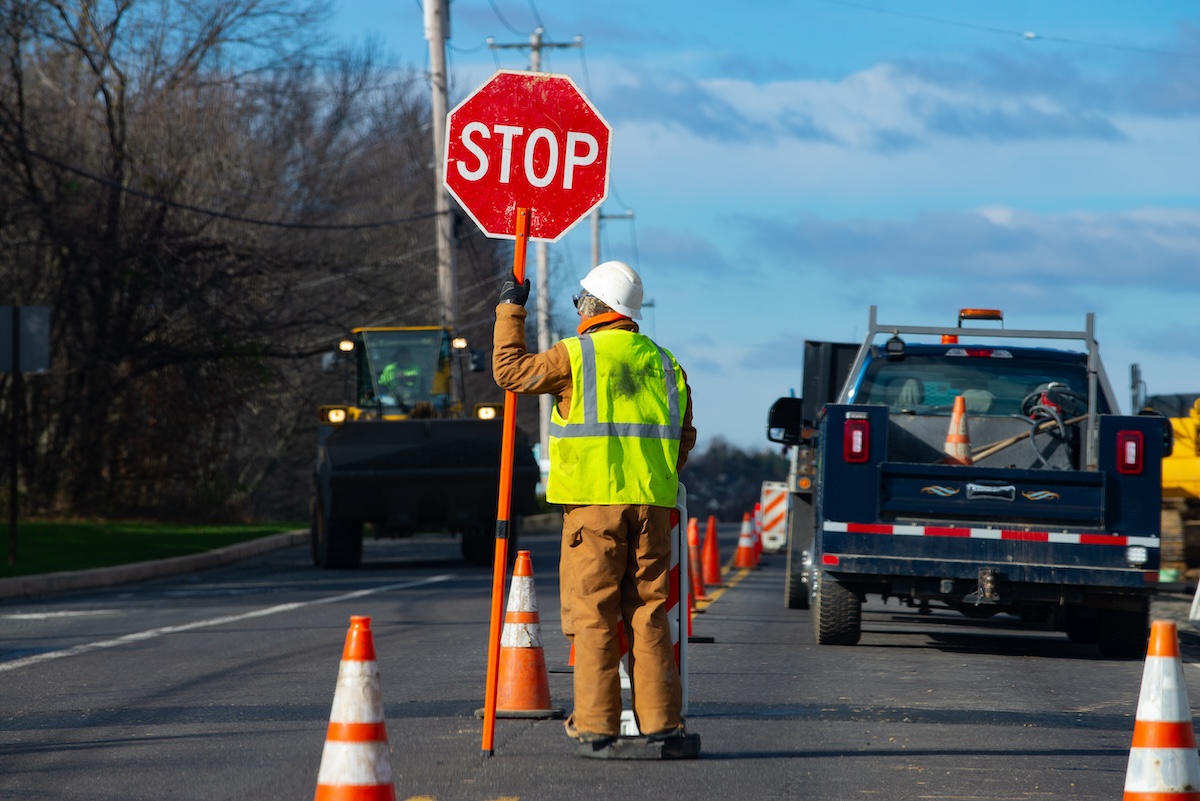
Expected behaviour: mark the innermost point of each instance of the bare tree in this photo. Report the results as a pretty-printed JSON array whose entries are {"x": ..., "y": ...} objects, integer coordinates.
[{"x": 205, "y": 200}]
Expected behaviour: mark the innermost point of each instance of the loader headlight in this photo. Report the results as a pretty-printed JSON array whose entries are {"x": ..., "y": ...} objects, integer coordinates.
[
  {"x": 332, "y": 415},
  {"x": 487, "y": 411},
  {"x": 1136, "y": 555}
]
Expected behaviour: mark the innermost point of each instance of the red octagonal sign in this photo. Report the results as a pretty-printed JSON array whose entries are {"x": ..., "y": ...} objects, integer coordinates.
[{"x": 527, "y": 140}]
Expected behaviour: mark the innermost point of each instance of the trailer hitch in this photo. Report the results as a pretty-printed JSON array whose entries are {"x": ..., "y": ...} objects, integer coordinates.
[{"x": 985, "y": 593}]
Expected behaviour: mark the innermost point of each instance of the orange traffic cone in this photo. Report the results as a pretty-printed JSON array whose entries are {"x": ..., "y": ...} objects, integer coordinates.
[
  {"x": 1162, "y": 760},
  {"x": 695, "y": 568},
  {"x": 711, "y": 556},
  {"x": 958, "y": 441},
  {"x": 354, "y": 764},
  {"x": 524, "y": 684},
  {"x": 745, "y": 550}
]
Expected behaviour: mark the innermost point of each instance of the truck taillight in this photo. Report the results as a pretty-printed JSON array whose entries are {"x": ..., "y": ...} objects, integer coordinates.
[
  {"x": 856, "y": 447},
  {"x": 1129, "y": 452}
]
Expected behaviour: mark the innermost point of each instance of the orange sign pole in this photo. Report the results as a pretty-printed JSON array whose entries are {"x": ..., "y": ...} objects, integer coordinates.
[{"x": 503, "y": 515}]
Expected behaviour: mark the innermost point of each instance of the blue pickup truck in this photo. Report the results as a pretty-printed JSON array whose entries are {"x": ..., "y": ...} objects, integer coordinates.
[{"x": 1036, "y": 499}]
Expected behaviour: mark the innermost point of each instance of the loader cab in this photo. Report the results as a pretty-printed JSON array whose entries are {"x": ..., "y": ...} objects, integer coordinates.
[{"x": 404, "y": 372}]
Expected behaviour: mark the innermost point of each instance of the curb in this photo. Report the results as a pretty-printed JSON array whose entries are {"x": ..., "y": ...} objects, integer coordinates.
[{"x": 47, "y": 583}]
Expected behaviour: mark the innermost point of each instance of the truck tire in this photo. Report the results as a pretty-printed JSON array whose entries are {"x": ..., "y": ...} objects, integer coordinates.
[
  {"x": 1124, "y": 635},
  {"x": 795, "y": 580},
  {"x": 836, "y": 614},
  {"x": 335, "y": 543},
  {"x": 797, "y": 587}
]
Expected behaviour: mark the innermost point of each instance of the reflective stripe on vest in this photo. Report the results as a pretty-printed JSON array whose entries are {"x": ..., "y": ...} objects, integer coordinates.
[{"x": 618, "y": 444}]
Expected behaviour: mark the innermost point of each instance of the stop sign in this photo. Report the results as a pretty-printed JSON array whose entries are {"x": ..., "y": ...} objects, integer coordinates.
[{"x": 527, "y": 140}]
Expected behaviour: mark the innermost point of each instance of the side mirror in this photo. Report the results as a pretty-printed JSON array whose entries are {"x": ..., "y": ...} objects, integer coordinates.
[
  {"x": 478, "y": 361},
  {"x": 785, "y": 422},
  {"x": 329, "y": 361}
]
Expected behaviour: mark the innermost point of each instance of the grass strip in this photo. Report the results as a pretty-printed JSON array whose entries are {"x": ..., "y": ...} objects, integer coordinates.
[{"x": 52, "y": 546}]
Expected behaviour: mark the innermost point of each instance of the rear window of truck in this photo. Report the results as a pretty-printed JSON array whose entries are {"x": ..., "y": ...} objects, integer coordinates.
[{"x": 993, "y": 386}]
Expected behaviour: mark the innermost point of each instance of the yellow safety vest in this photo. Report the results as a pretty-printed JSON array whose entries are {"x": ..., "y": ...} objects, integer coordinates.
[{"x": 619, "y": 443}]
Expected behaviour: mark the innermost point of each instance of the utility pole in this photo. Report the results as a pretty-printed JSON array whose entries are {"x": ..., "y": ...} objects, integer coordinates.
[
  {"x": 596, "y": 218},
  {"x": 437, "y": 31},
  {"x": 536, "y": 45}
]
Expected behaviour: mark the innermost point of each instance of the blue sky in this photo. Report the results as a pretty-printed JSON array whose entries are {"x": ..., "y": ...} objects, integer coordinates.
[{"x": 789, "y": 164}]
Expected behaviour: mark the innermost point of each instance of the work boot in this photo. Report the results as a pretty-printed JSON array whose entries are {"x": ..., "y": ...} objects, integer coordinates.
[
  {"x": 597, "y": 741},
  {"x": 676, "y": 733}
]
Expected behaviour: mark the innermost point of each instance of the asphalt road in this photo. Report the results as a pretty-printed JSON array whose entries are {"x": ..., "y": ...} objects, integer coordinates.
[{"x": 218, "y": 685}]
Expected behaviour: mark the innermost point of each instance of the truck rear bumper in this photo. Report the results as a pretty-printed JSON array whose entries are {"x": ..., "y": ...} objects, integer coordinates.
[
  {"x": 950, "y": 577},
  {"x": 888, "y": 553}
]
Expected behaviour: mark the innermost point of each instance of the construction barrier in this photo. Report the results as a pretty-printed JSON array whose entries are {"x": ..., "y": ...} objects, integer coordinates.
[
  {"x": 354, "y": 762},
  {"x": 775, "y": 502},
  {"x": 1163, "y": 764}
]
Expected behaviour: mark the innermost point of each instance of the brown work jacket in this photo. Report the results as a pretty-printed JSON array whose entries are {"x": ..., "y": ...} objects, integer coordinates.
[{"x": 549, "y": 373}]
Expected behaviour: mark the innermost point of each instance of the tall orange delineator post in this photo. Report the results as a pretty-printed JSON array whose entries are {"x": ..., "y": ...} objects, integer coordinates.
[
  {"x": 711, "y": 556},
  {"x": 758, "y": 542},
  {"x": 503, "y": 515},
  {"x": 699, "y": 591}
]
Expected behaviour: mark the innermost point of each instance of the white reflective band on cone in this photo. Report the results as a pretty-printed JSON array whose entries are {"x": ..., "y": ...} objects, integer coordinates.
[{"x": 345, "y": 763}]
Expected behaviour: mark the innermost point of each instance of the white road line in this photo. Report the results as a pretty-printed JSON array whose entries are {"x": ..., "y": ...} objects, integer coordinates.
[
  {"x": 53, "y": 615},
  {"x": 149, "y": 634}
]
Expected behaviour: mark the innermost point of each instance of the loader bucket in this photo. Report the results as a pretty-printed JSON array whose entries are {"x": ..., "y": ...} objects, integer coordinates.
[{"x": 415, "y": 474}]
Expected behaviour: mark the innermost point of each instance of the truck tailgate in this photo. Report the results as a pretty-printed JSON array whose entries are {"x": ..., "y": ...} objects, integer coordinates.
[{"x": 930, "y": 492}]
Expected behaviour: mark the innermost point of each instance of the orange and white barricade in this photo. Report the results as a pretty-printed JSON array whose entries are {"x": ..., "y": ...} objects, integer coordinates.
[{"x": 775, "y": 501}]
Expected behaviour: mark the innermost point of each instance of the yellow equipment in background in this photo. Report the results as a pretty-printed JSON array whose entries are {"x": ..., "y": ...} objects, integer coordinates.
[
  {"x": 1180, "y": 479},
  {"x": 402, "y": 455}
]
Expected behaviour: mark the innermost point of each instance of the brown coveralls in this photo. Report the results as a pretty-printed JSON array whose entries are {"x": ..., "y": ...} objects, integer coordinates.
[{"x": 615, "y": 561}]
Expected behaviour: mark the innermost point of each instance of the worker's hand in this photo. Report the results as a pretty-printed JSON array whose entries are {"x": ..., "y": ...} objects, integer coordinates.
[{"x": 512, "y": 292}]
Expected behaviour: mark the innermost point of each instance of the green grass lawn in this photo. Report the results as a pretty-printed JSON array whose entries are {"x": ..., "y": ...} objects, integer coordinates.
[{"x": 49, "y": 547}]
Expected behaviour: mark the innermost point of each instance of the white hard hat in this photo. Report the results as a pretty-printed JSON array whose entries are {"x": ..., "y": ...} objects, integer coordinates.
[{"x": 618, "y": 285}]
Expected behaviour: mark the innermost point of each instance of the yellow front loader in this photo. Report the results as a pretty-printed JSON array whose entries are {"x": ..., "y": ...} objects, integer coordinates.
[{"x": 403, "y": 455}]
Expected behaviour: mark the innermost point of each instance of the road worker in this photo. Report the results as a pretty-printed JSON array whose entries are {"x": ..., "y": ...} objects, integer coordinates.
[
  {"x": 621, "y": 430},
  {"x": 401, "y": 377}
]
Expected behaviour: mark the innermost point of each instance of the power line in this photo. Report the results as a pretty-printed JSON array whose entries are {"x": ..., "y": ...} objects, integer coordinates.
[
  {"x": 1026, "y": 35},
  {"x": 503, "y": 21},
  {"x": 537, "y": 18},
  {"x": 223, "y": 215}
]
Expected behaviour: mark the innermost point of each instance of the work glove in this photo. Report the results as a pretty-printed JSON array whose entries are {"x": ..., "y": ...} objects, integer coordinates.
[{"x": 512, "y": 292}]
